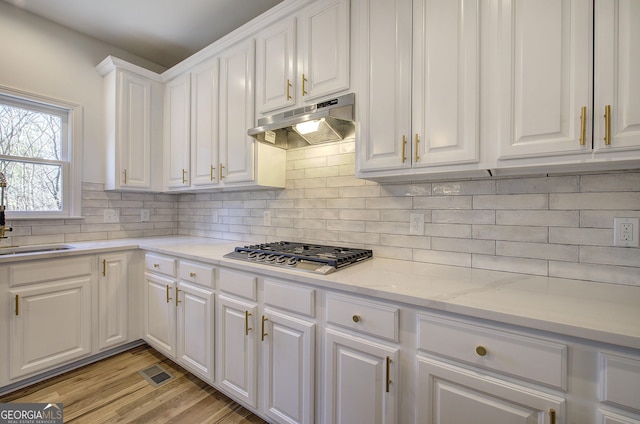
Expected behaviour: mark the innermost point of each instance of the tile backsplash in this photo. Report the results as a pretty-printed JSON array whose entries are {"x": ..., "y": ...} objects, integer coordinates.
[{"x": 559, "y": 226}]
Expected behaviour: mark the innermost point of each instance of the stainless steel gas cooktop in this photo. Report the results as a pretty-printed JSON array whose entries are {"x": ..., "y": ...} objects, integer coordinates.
[{"x": 300, "y": 256}]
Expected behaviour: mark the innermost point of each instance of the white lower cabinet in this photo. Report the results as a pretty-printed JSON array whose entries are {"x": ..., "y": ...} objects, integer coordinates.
[
  {"x": 618, "y": 388},
  {"x": 113, "y": 295},
  {"x": 265, "y": 350},
  {"x": 50, "y": 320},
  {"x": 179, "y": 312},
  {"x": 361, "y": 369},
  {"x": 448, "y": 394}
]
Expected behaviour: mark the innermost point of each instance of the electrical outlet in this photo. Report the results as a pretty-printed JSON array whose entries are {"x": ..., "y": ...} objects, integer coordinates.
[
  {"x": 267, "y": 218},
  {"x": 626, "y": 232},
  {"x": 416, "y": 224},
  {"x": 111, "y": 216},
  {"x": 214, "y": 217},
  {"x": 144, "y": 215}
]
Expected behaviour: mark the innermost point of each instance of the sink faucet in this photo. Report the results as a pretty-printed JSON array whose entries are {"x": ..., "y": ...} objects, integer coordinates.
[{"x": 3, "y": 226}]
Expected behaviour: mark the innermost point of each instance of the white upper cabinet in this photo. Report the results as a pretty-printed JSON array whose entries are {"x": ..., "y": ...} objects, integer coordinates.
[
  {"x": 418, "y": 108},
  {"x": 132, "y": 125},
  {"x": 237, "y": 113},
  {"x": 177, "y": 132},
  {"x": 303, "y": 57},
  {"x": 617, "y": 59},
  {"x": 543, "y": 77},
  {"x": 205, "y": 84}
]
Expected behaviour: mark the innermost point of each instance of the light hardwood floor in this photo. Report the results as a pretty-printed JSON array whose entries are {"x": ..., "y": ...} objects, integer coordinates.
[{"x": 112, "y": 391}]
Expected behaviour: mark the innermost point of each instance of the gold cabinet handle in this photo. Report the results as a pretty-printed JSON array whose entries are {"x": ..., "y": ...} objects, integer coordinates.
[
  {"x": 304, "y": 90},
  {"x": 156, "y": 265},
  {"x": 246, "y": 323},
  {"x": 417, "y": 141},
  {"x": 356, "y": 318},
  {"x": 388, "y": 374},
  {"x": 177, "y": 291},
  {"x": 289, "y": 90},
  {"x": 168, "y": 298},
  {"x": 607, "y": 125},
  {"x": 583, "y": 126},
  {"x": 552, "y": 416},
  {"x": 221, "y": 168},
  {"x": 104, "y": 267},
  {"x": 404, "y": 149},
  {"x": 124, "y": 173},
  {"x": 211, "y": 172},
  {"x": 184, "y": 181},
  {"x": 17, "y": 305},
  {"x": 263, "y": 333},
  {"x": 481, "y": 351},
  {"x": 192, "y": 274}
]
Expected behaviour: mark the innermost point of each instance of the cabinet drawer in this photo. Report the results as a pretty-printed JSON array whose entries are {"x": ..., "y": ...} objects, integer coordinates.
[
  {"x": 620, "y": 381},
  {"x": 160, "y": 264},
  {"x": 511, "y": 353},
  {"x": 41, "y": 271},
  {"x": 238, "y": 283},
  {"x": 196, "y": 273},
  {"x": 290, "y": 297},
  {"x": 366, "y": 317}
]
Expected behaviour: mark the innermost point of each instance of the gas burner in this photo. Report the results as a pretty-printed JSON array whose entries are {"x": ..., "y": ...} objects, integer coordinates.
[{"x": 305, "y": 257}]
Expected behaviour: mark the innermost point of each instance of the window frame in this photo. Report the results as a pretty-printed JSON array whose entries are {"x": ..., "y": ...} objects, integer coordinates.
[{"x": 71, "y": 152}]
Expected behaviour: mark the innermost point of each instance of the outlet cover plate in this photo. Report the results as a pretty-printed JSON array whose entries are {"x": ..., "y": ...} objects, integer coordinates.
[
  {"x": 416, "y": 224},
  {"x": 626, "y": 232}
]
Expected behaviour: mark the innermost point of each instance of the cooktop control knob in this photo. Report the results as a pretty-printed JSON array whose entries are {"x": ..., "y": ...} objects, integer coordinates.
[{"x": 291, "y": 262}]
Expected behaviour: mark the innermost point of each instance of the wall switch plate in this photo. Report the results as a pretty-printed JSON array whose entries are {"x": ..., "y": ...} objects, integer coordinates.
[
  {"x": 416, "y": 224},
  {"x": 267, "y": 218},
  {"x": 214, "y": 217},
  {"x": 111, "y": 216},
  {"x": 144, "y": 215},
  {"x": 626, "y": 232}
]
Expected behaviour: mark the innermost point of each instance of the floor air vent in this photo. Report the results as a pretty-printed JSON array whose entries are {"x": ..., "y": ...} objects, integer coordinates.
[{"x": 156, "y": 375}]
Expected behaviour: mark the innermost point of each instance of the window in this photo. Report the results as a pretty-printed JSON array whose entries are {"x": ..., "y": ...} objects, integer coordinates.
[{"x": 36, "y": 151}]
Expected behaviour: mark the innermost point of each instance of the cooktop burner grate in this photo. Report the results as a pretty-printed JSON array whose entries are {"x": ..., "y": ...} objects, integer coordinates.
[{"x": 308, "y": 257}]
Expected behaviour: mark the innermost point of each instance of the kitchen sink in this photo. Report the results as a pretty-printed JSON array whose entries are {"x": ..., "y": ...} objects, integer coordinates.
[{"x": 41, "y": 248}]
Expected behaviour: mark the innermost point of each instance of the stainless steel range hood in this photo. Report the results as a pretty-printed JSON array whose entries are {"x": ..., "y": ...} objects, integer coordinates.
[{"x": 324, "y": 122}]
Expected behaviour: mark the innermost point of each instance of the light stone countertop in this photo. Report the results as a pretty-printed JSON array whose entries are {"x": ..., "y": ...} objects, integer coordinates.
[{"x": 595, "y": 311}]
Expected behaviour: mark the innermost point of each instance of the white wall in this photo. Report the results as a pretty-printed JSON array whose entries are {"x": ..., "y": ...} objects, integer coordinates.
[{"x": 40, "y": 57}]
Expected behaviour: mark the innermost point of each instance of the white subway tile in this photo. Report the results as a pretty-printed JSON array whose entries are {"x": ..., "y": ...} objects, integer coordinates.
[
  {"x": 559, "y": 252},
  {"x": 413, "y": 242},
  {"x": 457, "y": 216},
  {"x": 448, "y": 230},
  {"x": 389, "y": 203},
  {"x": 594, "y": 272},
  {"x": 387, "y": 227},
  {"x": 405, "y": 190},
  {"x": 364, "y": 191},
  {"x": 443, "y": 258},
  {"x": 563, "y": 184},
  {"x": 511, "y": 201},
  {"x": 604, "y": 219},
  {"x": 617, "y": 181},
  {"x": 457, "y": 188},
  {"x": 463, "y": 245},
  {"x": 511, "y": 233},
  {"x": 443, "y": 202},
  {"x": 601, "y": 201},
  {"x": 502, "y": 263},
  {"x": 338, "y": 225},
  {"x": 359, "y": 214},
  {"x": 581, "y": 236},
  {"x": 623, "y": 256},
  {"x": 538, "y": 218}
]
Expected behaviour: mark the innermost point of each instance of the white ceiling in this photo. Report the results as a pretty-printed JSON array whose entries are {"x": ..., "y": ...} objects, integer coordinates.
[{"x": 162, "y": 31}]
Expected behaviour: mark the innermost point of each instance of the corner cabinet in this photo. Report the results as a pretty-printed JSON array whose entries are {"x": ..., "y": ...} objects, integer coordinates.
[
  {"x": 418, "y": 114},
  {"x": 208, "y": 111},
  {"x": 303, "y": 57},
  {"x": 132, "y": 125}
]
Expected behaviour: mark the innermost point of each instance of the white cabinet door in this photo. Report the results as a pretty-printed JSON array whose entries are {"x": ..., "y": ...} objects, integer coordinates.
[
  {"x": 113, "y": 297},
  {"x": 617, "y": 59},
  {"x": 420, "y": 106},
  {"x": 237, "y": 113},
  {"x": 276, "y": 66},
  {"x": 204, "y": 124},
  {"x": 177, "y": 132},
  {"x": 446, "y": 82},
  {"x": 195, "y": 329},
  {"x": 50, "y": 324},
  {"x": 359, "y": 380},
  {"x": 289, "y": 368},
  {"x": 160, "y": 313},
  {"x": 544, "y": 76},
  {"x": 323, "y": 49},
  {"x": 384, "y": 103},
  {"x": 451, "y": 395},
  {"x": 236, "y": 348}
]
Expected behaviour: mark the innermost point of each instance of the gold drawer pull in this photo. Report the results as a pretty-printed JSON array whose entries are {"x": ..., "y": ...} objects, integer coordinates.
[
  {"x": 104, "y": 267},
  {"x": 17, "y": 305},
  {"x": 481, "y": 351},
  {"x": 356, "y": 318},
  {"x": 177, "y": 291},
  {"x": 552, "y": 416},
  {"x": 583, "y": 126},
  {"x": 404, "y": 148},
  {"x": 156, "y": 265},
  {"x": 192, "y": 274},
  {"x": 168, "y": 298},
  {"x": 607, "y": 125},
  {"x": 388, "y": 374}
]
